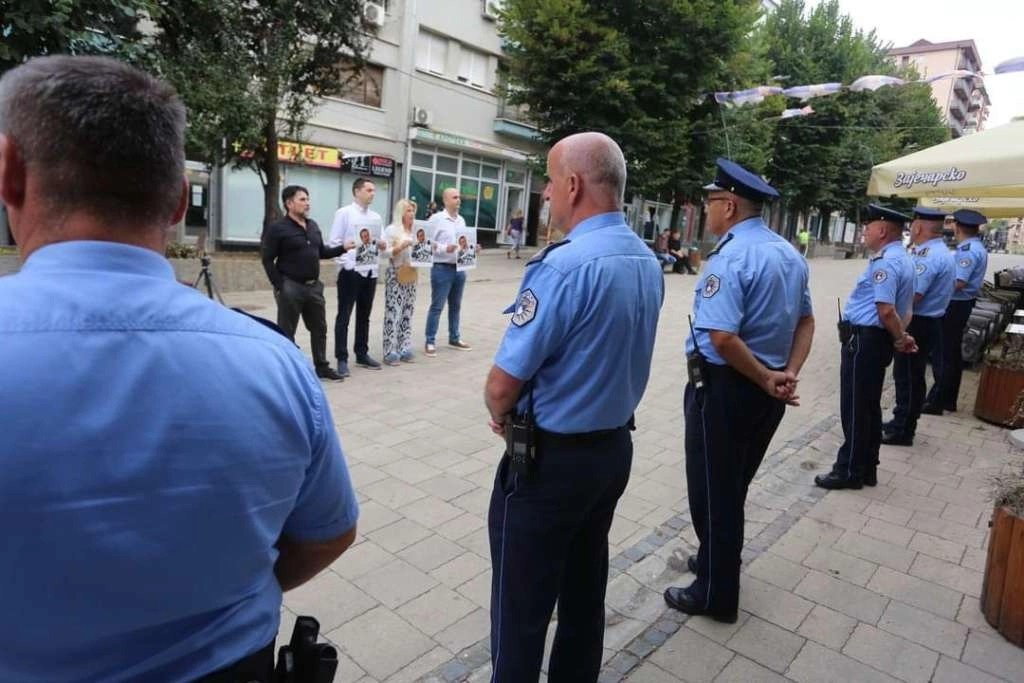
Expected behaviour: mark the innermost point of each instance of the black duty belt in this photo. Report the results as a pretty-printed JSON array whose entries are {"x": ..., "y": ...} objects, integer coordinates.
[
  {"x": 870, "y": 330},
  {"x": 308, "y": 283},
  {"x": 582, "y": 438}
]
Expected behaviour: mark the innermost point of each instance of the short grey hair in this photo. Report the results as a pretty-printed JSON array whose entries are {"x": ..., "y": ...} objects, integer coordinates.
[
  {"x": 597, "y": 159},
  {"x": 103, "y": 138}
]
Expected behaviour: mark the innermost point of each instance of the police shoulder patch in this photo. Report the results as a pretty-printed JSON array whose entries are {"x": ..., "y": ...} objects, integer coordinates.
[
  {"x": 711, "y": 286},
  {"x": 880, "y": 276},
  {"x": 923, "y": 252},
  {"x": 920, "y": 268},
  {"x": 965, "y": 262},
  {"x": 526, "y": 308}
]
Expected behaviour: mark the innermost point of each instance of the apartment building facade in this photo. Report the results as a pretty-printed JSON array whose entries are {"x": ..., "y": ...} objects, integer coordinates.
[
  {"x": 424, "y": 115},
  {"x": 964, "y": 102}
]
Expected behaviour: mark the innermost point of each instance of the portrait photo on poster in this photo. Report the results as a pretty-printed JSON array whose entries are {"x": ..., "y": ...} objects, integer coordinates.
[
  {"x": 367, "y": 249},
  {"x": 465, "y": 249},
  {"x": 422, "y": 253}
]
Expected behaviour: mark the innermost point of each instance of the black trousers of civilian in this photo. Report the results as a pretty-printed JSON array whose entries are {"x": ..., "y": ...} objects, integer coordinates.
[
  {"x": 549, "y": 542},
  {"x": 354, "y": 291},
  {"x": 950, "y": 366},
  {"x": 729, "y": 423},
  {"x": 908, "y": 373},
  {"x": 861, "y": 375},
  {"x": 295, "y": 300}
]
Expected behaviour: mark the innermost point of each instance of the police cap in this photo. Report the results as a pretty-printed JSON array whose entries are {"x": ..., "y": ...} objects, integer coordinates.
[
  {"x": 969, "y": 218},
  {"x": 877, "y": 212},
  {"x": 731, "y": 177},
  {"x": 929, "y": 214}
]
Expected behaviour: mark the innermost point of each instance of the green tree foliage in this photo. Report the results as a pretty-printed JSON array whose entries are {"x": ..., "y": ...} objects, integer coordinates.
[
  {"x": 32, "y": 28},
  {"x": 637, "y": 70},
  {"x": 251, "y": 72},
  {"x": 823, "y": 161}
]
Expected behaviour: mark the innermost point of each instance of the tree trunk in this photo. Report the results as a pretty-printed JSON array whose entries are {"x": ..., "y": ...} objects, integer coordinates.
[{"x": 272, "y": 171}]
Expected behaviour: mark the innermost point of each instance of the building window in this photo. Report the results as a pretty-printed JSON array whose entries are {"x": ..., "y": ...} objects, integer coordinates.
[
  {"x": 473, "y": 67},
  {"x": 431, "y": 53},
  {"x": 477, "y": 179},
  {"x": 364, "y": 87}
]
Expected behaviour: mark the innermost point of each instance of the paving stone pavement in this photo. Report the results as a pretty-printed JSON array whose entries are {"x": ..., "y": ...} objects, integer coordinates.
[{"x": 878, "y": 584}]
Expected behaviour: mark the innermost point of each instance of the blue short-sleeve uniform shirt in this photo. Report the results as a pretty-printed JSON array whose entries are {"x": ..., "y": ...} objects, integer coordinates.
[
  {"x": 583, "y": 327},
  {"x": 934, "y": 277},
  {"x": 754, "y": 285},
  {"x": 888, "y": 279},
  {"x": 971, "y": 264},
  {"x": 156, "y": 447}
]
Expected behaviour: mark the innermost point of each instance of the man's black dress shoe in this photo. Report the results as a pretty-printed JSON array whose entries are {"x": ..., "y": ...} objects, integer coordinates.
[
  {"x": 897, "y": 439},
  {"x": 837, "y": 481},
  {"x": 871, "y": 478},
  {"x": 929, "y": 409},
  {"x": 680, "y": 599},
  {"x": 691, "y": 564}
]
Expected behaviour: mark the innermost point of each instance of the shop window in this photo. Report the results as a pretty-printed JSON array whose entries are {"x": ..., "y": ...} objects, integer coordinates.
[
  {"x": 490, "y": 172},
  {"x": 421, "y": 160},
  {"x": 447, "y": 164},
  {"x": 470, "y": 169},
  {"x": 442, "y": 183},
  {"x": 365, "y": 87},
  {"x": 488, "y": 206},
  {"x": 515, "y": 177},
  {"x": 469, "y": 189},
  {"x": 419, "y": 192},
  {"x": 431, "y": 52}
]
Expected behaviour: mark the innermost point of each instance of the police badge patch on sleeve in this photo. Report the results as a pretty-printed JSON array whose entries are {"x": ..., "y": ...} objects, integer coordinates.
[
  {"x": 879, "y": 276},
  {"x": 965, "y": 262},
  {"x": 526, "y": 309},
  {"x": 711, "y": 286}
]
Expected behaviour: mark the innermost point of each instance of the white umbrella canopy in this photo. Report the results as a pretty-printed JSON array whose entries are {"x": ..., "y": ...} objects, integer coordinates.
[
  {"x": 985, "y": 164},
  {"x": 992, "y": 207}
]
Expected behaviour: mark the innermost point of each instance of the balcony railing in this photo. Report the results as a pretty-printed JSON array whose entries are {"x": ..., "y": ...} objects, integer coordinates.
[
  {"x": 956, "y": 110},
  {"x": 513, "y": 112}
]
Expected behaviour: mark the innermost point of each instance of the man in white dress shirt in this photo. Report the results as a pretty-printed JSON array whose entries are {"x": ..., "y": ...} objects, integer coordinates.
[
  {"x": 355, "y": 289},
  {"x": 446, "y": 284}
]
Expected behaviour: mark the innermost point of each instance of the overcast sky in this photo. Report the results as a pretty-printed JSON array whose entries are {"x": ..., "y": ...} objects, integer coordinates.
[{"x": 996, "y": 26}]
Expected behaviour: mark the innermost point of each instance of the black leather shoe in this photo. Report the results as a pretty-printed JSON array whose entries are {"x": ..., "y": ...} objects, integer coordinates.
[
  {"x": 871, "y": 478},
  {"x": 328, "y": 373},
  {"x": 835, "y": 481},
  {"x": 365, "y": 361},
  {"x": 929, "y": 409},
  {"x": 680, "y": 599},
  {"x": 691, "y": 564},
  {"x": 897, "y": 439}
]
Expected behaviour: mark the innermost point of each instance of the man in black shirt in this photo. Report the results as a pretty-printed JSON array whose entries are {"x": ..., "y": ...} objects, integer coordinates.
[
  {"x": 292, "y": 250},
  {"x": 675, "y": 248}
]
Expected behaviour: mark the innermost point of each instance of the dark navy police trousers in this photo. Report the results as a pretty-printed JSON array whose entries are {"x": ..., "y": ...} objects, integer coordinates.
[
  {"x": 861, "y": 375},
  {"x": 549, "y": 542},
  {"x": 908, "y": 373}
]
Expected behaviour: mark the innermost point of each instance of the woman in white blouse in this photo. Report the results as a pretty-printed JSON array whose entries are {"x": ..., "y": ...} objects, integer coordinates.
[{"x": 400, "y": 285}]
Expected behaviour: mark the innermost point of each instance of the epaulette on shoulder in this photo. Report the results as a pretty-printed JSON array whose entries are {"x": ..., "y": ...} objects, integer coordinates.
[
  {"x": 966, "y": 246},
  {"x": 542, "y": 254},
  {"x": 720, "y": 245}
]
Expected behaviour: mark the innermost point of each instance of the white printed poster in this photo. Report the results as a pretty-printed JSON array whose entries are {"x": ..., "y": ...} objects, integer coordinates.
[
  {"x": 422, "y": 254},
  {"x": 466, "y": 249},
  {"x": 367, "y": 248}
]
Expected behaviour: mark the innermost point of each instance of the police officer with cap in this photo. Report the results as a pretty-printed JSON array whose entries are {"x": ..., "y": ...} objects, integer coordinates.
[
  {"x": 752, "y": 331},
  {"x": 971, "y": 264},
  {"x": 567, "y": 377},
  {"x": 874, "y": 325},
  {"x": 934, "y": 274}
]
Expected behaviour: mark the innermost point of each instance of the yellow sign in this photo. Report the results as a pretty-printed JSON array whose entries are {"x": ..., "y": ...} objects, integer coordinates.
[
  {"x": 488, "y": 192},
  {"x": 308, "y": 154}
]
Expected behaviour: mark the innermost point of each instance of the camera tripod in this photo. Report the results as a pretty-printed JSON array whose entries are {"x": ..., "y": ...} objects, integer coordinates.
[{"x": 206, "y": 277}]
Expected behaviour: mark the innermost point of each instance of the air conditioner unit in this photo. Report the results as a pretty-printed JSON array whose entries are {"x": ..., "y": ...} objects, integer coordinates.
[
  {"x": 491, "y": 9},
  {"x": 374, "y": 14},
  {"x": 422, "y": 117}
]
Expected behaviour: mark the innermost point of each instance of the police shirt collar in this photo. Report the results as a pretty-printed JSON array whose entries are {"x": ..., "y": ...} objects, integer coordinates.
[
  {"x": 597, "y": 222},
  {"x": 745, "y": 225},
  {"x": 937, "y": 240},
  {"x": 99, "y": 256},
  {"x": 895, "y": 244}
]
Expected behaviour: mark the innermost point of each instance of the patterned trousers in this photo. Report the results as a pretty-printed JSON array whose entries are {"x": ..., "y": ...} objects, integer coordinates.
[{"x": 399, "y": 302}]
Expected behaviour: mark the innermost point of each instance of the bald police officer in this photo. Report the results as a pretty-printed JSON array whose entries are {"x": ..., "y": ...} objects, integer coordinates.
[
  {"x": 752, "y": 333},
  {"x": 874, "y": 324},
  {"x": 934, "y": 274},
  {"x": 570, "y": 371},
  {"x": 971, "y": 263}
]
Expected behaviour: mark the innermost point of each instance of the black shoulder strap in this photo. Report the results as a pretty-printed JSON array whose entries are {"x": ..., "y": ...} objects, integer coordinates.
[
  {"x": 542, "y": 254},
  {"x": 720, "y": 245}
]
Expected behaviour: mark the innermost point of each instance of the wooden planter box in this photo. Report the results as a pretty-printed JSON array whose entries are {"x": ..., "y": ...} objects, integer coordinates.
[
  {"x": 998, "y": 389},
  {"x": 1002, "y": 593}
]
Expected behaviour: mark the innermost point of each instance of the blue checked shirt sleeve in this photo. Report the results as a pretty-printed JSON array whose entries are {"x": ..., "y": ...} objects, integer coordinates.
[
  {"x": 720, "y": 297},
  {"x": 326, "y": 506},
  {"x": 884, "y": 286},
  {"x": 542, "y": 317}
]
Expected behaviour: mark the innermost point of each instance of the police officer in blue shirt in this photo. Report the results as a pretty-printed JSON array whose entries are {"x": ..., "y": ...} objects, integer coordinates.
[
  {"x": 971, "y": 264},
  {"x": 752, "y": 332},
  {"x": 873, "y": 325},
  {"x": 570, "y": 371},
  {"x": 934, "y": 273}
]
